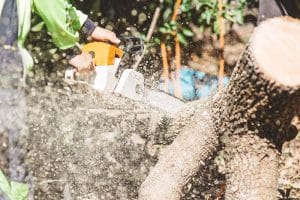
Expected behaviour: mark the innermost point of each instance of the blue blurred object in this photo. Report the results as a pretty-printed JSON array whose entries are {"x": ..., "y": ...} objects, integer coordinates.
[
  {"x": 195, "y": 84},
  {"x": 187, "y": 84},
  {"x": 210, "y": 86},
  {"x": 199, "y": 75}
]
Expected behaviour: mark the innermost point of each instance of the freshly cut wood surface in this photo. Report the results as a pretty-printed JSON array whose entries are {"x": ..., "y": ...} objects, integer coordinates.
[{"x": 276, "y": 47}]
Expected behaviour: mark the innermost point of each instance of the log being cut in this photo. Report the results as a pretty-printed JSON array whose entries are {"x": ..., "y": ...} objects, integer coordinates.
[{"x": 252, "y": 115}]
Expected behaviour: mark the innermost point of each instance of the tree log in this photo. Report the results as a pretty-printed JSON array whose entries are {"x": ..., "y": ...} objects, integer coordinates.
[
  {"x": 252, "y": 116},
  {"x": 255, "y": 113},
  {"x": 181, "y": 160}
]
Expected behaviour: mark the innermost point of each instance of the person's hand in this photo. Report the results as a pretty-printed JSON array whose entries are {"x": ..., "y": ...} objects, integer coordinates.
[
  {"x": 102, "y": 34},
  {"x": 82, "y": 62}
]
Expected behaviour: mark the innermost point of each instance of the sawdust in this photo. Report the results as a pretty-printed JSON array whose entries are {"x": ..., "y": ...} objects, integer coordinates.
[{"x": 87, "y": 146}]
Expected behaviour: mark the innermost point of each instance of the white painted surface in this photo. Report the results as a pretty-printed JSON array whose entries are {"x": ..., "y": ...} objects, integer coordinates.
[
  {"x": 105, "y": 79},
  {"x": 131, "y": 85}
]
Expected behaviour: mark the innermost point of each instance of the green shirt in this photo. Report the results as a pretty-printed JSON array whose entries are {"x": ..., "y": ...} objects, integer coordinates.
[{"x": 62, "y": 21}]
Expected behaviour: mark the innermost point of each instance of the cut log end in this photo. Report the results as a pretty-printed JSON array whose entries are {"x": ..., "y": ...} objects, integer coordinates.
[{"x": 276, "y": 47}]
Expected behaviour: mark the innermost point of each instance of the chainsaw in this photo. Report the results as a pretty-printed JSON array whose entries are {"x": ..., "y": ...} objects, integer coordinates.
[
  {"x": 108, "y": 76},
  {"x": 106, "y": 59}
]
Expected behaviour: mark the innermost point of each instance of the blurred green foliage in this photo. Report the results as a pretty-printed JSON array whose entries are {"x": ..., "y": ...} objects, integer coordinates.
[
  {"x": 121, "y": 14},
  {"x": 202, "y": 13}
]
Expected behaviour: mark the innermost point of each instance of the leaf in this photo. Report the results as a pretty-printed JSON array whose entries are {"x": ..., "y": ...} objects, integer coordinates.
[
  {"x": 182, "y": 39},
  {"x": 4, "y": 184},
  {"x": 198, "y": 5},
  {"x": 13, "y": 190},
  {"x": 167, "y": 13},
  {"x": 168, "y": 25},
  {"x": 229, "y": 17},
  {"x": 188, "y": 32},
  {"x": 163, "y": 30},
  {"x": 239, "y": 16},
  {"x": 185, "y": 7},
  {"x": 216, "y": 27},
  {"x": 38, "y": 27},
  {"x": 157, "y": 40},
  {"x": 173, "y": 25},
  {"x": 19, "y": 191},
  {"x": 243, "y": 3},
  {"x": 208, "y": 16}
]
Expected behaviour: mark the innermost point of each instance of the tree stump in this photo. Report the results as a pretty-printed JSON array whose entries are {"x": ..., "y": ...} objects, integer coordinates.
[
  {"x": 258, "y": 107},
  {"x": 252, "y": 116}
]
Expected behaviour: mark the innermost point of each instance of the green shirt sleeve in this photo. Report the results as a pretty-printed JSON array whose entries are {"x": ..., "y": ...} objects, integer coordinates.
[
  {"x": 63, "y": 21},
  {"x": 24, "y": 16}
]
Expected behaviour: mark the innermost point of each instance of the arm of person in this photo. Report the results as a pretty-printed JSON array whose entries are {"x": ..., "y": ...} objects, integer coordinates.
[
  {"x": 64, "y": 22},
  {"x": 98, "y": 33}
]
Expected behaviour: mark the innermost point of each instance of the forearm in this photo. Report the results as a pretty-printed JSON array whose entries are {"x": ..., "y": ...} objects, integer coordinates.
[{"x": 97, "y": 33}]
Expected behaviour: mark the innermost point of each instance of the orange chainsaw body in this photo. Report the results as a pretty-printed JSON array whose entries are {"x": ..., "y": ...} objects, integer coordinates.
[{"x": 104, "y": 54}]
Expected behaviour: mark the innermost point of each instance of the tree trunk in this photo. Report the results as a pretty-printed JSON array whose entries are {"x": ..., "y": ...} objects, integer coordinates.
[
  {"x": 181, "y": 160},
  {"x": 253, "y": 117},
  {"x": 252, "y": 170},
  {"x": 256, "y": 111}
]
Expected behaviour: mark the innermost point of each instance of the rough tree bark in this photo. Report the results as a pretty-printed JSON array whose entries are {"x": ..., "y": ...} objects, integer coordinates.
[
  {"x": 253, "y": 118},
  {"x": 258, "y": 107},
  {"x": 181, "y": 160}
]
